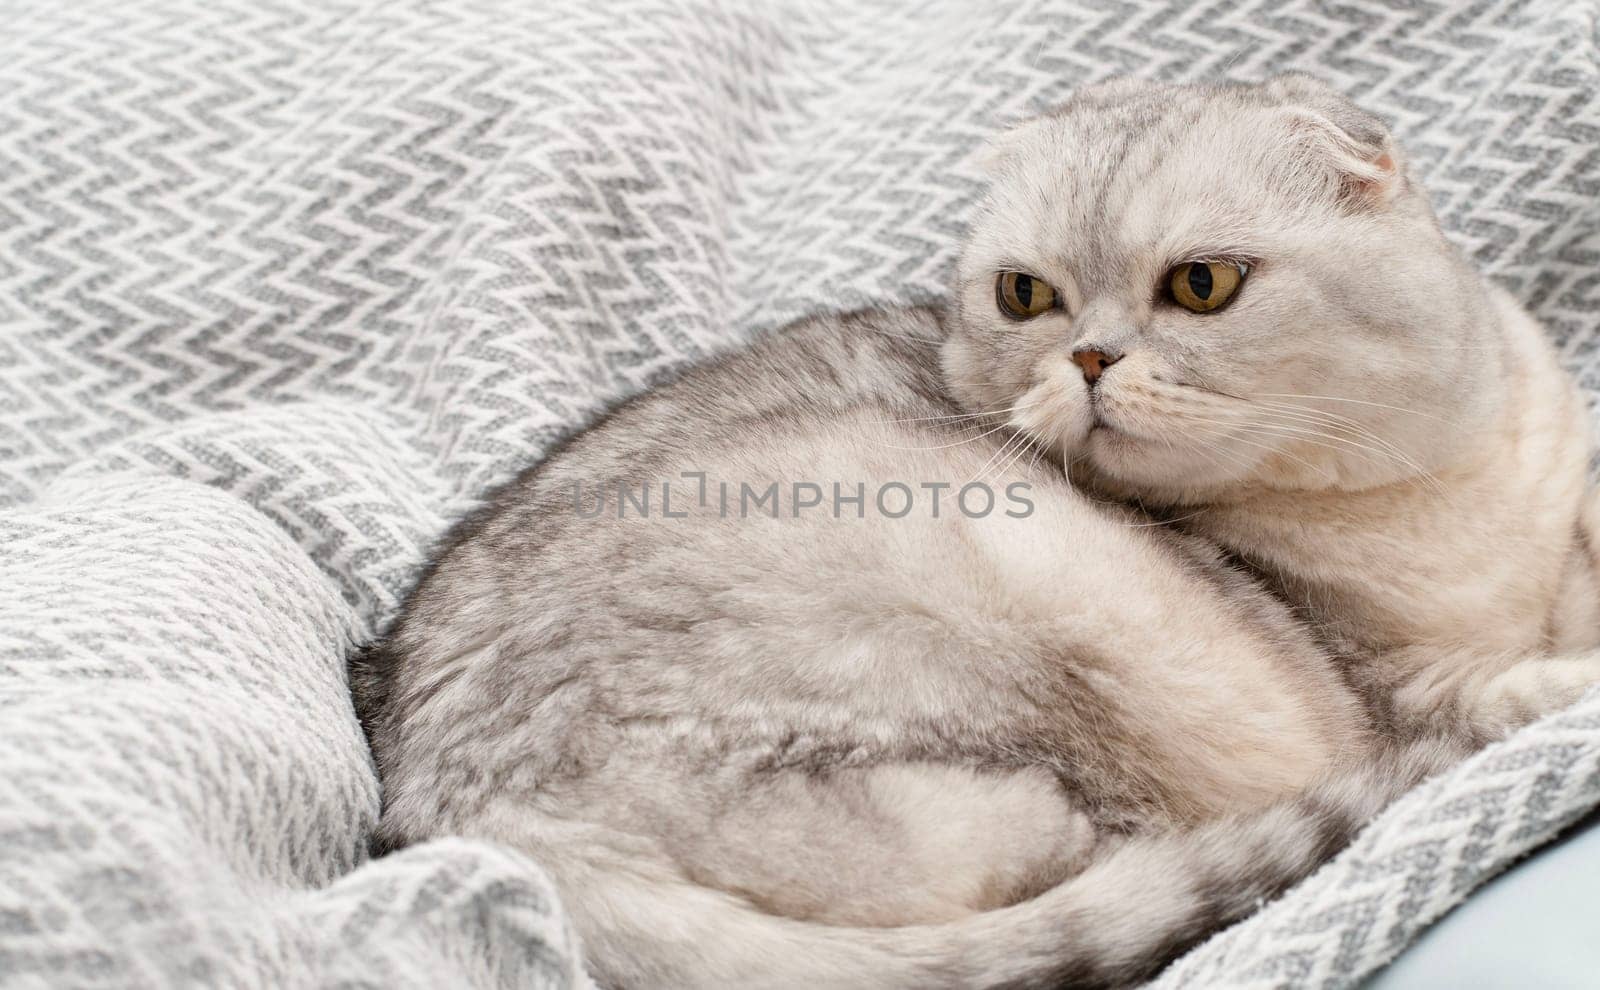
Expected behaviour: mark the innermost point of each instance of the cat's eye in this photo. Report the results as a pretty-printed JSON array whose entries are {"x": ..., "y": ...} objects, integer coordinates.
[
  {"x": 1203, "y": 286},
  {"x": 1022, "y": 296}
]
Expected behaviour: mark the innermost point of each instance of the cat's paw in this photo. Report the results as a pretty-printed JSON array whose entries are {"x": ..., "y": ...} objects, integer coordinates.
[{"x": 1532, "y": 689}]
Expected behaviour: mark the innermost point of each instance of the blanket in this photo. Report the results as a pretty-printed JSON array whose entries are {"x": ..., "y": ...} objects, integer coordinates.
[{"x": 286, "y": 284}]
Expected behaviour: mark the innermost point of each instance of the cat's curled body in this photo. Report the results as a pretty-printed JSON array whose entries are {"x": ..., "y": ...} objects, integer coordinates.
[
  {"x": 737, "y": 743},
  {"x": 816, "y": 749}
]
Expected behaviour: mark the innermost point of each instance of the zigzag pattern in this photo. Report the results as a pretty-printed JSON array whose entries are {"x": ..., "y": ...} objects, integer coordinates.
[{"x": 285, "y": 284}]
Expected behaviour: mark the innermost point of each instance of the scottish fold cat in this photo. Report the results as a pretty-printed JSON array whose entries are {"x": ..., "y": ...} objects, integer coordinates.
[{"x": 813, "y": 667}]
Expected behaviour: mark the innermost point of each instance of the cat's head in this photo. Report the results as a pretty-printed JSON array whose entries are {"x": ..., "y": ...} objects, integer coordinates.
[{"x": 1191, "y": 290}]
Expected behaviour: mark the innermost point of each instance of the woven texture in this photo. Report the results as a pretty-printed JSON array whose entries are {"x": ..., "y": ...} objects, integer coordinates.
[{"x": 285, "y": 285}]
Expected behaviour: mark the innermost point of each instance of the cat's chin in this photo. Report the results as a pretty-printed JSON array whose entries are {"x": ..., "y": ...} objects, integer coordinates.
[
  {"x": 1120, "y": 463},
  {"x": 1108, "y": 445}
]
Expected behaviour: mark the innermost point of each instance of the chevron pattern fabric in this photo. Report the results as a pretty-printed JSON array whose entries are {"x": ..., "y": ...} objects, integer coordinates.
[{"x": 285, "y": 284}]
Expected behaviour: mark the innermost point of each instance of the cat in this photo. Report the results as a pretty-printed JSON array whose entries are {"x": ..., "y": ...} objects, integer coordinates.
[{"x": 770, "y": 718}]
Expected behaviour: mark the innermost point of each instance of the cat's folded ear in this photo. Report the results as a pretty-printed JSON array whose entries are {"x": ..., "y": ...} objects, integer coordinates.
[{"x": 1349, "y": 144}]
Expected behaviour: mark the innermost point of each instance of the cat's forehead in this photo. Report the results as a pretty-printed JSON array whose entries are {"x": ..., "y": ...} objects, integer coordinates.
[{"x": 1140, "y": 180}]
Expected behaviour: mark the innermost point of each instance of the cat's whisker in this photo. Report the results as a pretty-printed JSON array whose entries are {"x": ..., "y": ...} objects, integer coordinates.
[
  {"x": 952, "y": 417},
  {"x": 1215, "y": 453},
  {"x": 1384, "y": 454},
  {"x": 1038, "y": 452},
  {"x": 1020, "y": 452},
  {"x": 1214, "y": 450},
  {"x": 946, "y": 446},
  {"x": 1284, "y": 453},
  {"x": 1020, "y": 439},
  {"x": 1360, "y": 402},
  {"x": 1361, "y": 433},
  {"x": 1300, "y": 429},
  {"x": 1164, "y": 522},
  {"x": 1313, "y": 437},
  {"x": 1322, "y": 418},
  {"x": 1353, "y": 426},
  {"x": 1030, "y": 441},
  {"x": 961, "y": 421},
  {"x": 1003, "y": 449},
  {"x": 1020, "y": 406},
  {"x": 1336, "y": 421}
]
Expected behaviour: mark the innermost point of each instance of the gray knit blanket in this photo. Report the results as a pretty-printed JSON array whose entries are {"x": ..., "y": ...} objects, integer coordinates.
[{"x": 286, "y": 284}]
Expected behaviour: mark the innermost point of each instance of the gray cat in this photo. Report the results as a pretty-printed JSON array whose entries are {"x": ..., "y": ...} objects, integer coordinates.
[{"x": 812, "y": 669}]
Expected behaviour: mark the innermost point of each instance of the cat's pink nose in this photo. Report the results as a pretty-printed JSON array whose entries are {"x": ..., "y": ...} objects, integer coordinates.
[{"x": 1094, "y": 363}]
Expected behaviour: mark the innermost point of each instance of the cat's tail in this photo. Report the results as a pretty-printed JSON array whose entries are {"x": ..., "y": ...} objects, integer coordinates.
[{"x": 1117, "y": 922}]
